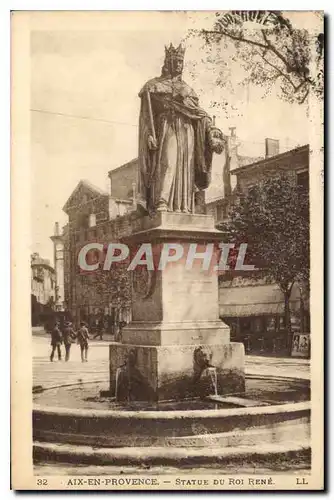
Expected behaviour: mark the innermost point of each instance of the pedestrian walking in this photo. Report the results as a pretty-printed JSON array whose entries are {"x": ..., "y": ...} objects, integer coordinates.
[
  {"x": 69, "y": 337},
  {"x": 99, "y": 330},
  {"x": 122, "y": 324},
  {"x": 83, "y": 337},
  {"x": 56, "y": 340}
]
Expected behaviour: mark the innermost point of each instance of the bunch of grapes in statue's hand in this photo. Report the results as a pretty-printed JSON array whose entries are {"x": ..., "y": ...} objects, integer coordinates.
[{"x": 216, "y": 140}]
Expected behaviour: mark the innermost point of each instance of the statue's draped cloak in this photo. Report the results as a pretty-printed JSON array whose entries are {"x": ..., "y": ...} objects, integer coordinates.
[{"x": 183, "y": 158}]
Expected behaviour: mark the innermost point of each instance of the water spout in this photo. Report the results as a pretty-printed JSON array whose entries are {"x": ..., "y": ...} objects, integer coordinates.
[
  {"x": 212, "y": 371},
  {"x": 118, "y": 371}
]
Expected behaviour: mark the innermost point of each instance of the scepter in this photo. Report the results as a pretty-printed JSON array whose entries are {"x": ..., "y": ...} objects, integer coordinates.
[
  {"x": 151, "y": 115},
  {"x": 152, "y": 131}
]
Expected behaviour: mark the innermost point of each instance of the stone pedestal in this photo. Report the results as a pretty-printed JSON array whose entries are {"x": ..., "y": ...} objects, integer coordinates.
[{"x": 176, "y": 345}]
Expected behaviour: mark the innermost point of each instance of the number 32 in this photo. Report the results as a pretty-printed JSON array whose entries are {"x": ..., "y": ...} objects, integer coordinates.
[{"x": 42, "y": 482}]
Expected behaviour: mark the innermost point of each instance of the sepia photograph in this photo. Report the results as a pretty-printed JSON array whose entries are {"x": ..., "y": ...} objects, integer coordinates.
[{"x": 167, "y": 250}]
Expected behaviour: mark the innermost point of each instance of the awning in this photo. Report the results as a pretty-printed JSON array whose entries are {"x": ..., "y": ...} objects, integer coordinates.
[{"x": 254, "y": 300}]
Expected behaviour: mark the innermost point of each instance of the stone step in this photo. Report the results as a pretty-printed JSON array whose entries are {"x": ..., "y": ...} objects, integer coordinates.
[
  {"x": 237, "y": 401},
  {"x": 51, "y": 452},
  {"x": 297, "y": 431}
]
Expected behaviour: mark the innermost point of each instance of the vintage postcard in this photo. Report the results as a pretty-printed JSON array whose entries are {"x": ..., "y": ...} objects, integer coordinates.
[{"x": 167, "y": 236}]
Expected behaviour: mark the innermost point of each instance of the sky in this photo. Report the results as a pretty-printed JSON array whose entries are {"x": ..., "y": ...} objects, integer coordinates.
[{"x": 94, "y": 72}]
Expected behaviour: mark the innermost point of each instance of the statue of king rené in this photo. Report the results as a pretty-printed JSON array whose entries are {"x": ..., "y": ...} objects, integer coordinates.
[{"x": 176, "y": 141}]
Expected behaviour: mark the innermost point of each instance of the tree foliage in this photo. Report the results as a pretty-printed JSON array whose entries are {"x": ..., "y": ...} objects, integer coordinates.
[
  {"x": 276, "y": 54},
  {"x": 273, "y": 218}
]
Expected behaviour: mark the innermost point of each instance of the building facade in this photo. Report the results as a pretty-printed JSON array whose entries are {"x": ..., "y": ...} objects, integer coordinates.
[
  {"x": 100, "y": 297},
  {"x": 58, "y": 258},
  {"x": 43, "y": 284}
]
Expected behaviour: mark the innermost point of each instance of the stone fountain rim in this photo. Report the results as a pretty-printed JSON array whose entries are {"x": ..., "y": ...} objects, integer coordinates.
[
  {"x": 248, "y": 375},
  {"x": 173, "y": 414}
]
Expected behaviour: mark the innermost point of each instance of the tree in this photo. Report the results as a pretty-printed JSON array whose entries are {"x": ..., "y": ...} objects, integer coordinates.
[
  {"x": 273, "y": 218},
  {"x": 275, "y": 54}
]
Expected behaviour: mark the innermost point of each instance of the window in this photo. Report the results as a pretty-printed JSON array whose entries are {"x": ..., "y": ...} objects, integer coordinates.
[
  {"x": 83, "y": 221},
  {"x": 83, "y": 235},
  {"x": 101, "y": 217},
  {"x": 245, "y": 325},
  {"x": 220, "y": 213},
  {"x": 92, "y": 220},
  {"x": 271, "y": 324},
  {"x": 258, "y": 324},
  {"x": 281, "y": 323}
]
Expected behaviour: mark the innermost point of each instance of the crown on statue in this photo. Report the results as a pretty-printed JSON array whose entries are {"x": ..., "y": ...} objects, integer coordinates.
[{"x": 172, "y": 52}]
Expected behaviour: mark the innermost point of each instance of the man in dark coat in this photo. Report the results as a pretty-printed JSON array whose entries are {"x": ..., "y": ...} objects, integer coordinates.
[
  {"x": 69, "y": 337},
  {"x": 83, "y": 337},
  {"x": 56, "y": 340},
  {"x": 99, "y": 328}
]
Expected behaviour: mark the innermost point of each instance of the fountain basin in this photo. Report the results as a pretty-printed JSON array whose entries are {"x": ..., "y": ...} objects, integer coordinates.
[
  {"x": 194, "y": 423},
  {"x": 171, "y": 428}
]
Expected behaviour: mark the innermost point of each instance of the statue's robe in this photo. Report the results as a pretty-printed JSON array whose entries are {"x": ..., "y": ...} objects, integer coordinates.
[{"x": 170, "y": 175}]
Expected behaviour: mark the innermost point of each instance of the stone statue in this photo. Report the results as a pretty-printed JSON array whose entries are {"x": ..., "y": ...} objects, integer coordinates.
[{"x": 176, "y": 141}]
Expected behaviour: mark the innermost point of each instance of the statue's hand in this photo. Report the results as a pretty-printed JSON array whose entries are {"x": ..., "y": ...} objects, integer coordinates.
[
  {"x": 152, "y": 143},
  {"x": 217, "y": 140}
]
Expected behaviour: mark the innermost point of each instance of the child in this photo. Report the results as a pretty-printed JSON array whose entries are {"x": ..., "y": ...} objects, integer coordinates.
[{"x": 83, "y": 337}]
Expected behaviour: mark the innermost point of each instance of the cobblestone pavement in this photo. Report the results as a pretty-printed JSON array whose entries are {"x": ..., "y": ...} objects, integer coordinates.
[
  {"x": 49, "y": 374},
  {"x": 282, "y": 367},
  {"x": 58, "y": 373}
]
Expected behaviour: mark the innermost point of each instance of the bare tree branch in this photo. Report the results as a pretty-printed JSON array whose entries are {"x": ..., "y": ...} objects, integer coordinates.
[
  {"x": 306, "y": 94},
  {"x": 281, "y": 73},
  {"x": 297, "y": 69},
  {"x": 304, "y": 82},
  {"x": 284, "y": 53},
  {"x": 234, "y": 37},
  {"x": 268, "y": 46},
  {"x": 276, "y": 52}
]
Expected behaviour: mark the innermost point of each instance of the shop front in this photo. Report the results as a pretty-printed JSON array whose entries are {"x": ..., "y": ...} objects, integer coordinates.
[{"x": 255, "y": 315}]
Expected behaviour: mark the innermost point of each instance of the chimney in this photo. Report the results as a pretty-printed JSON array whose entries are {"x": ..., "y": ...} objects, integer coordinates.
[
  {"x": 272, "y": 147},
  {"x": 232, "y": 130},
  {"x": 57, "y": 229},
  {"x": 107, "y": 185},
  {"x": 230, "y": 158}
]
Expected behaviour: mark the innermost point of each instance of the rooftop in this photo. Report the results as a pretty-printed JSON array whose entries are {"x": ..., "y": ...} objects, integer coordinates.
[
  {"x": 124, "y": 166},
  {"x": 270, "y": 159}
]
